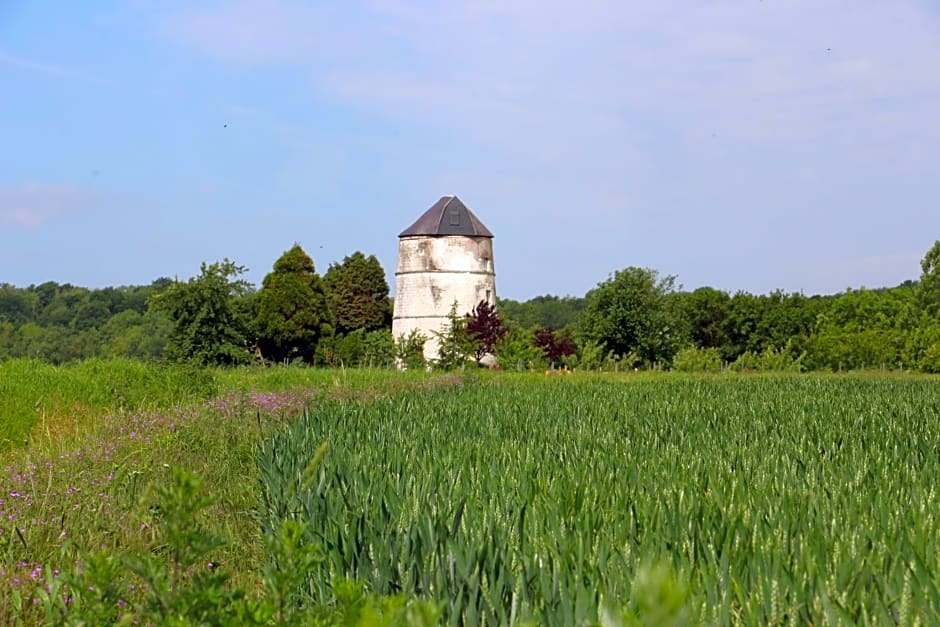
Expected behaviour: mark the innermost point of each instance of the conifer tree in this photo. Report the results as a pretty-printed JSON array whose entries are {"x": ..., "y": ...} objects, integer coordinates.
[
  {"x": 292, "y": 309},
  {"x": 358, "y": 294}
]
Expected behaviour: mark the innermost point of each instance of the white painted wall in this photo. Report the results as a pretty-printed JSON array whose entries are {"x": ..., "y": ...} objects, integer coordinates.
[{"x": 432, "y": 273}]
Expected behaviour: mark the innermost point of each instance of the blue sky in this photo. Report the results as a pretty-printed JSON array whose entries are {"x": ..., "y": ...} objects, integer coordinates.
[{"x": 743, "y": 144}]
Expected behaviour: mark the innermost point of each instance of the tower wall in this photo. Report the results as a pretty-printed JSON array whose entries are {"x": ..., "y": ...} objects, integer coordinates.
[{"x": 435, "y": 271}]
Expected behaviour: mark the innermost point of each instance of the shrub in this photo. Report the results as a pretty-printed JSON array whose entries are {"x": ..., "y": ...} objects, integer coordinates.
[
  {"x": 695, "y": 359},
  {"x": 516, "y": 350},
  {"x": 409, "y": 350},
  {"x": 770, "y": 360}
]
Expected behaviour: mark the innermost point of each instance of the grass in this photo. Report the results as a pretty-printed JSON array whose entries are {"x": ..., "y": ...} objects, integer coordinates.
[
  {"x": 87, "y": 480},
  {"x": 55, "y": 400},
  {"x": 775, "y": 499},
  {"x": 730, "y": 498}
]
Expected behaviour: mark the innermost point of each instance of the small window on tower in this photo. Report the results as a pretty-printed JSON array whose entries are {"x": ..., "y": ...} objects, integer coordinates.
[
  {"x": 454, "y": 218},
  {"x": 487, "y": 296}
]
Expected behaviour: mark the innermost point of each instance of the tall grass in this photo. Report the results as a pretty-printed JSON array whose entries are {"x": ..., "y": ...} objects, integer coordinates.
[
  {"x": 765, "y": 499},
  {"x": 95, "y": 487},
  {"x": 57, "y": 398},
  {"x": 777, "y": 500}
]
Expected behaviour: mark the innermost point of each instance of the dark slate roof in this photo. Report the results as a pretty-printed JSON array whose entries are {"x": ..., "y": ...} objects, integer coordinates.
[{"x": 448, "y": 216}]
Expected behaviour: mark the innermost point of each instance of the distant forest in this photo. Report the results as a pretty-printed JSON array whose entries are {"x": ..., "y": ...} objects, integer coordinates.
[{"x": 633, "y": 319}]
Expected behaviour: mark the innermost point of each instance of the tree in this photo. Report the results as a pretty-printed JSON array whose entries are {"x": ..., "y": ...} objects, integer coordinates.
[
  {"x": 549, "y": 311},
  {"x": 358, "y": 294},
  {"x": 516, "y": 350},
  {"x": 742, "y": 323},
  {"x": 860, "y": 328},
  {"x": 91, "y": 312},
  {"x": 292, "y": 310},
  {"x": 206, "y": 328},
  {"x": 555, "y": 345},
  {"x": 629, "y": 312},
  {"x": 455, "y": 345},
  {"x": 928, "y": 290},
  {"x": 706, "y": 312},
  {"x": 61, "y": 307},
  {"x": 484, "y": 329},
  {"x": 16, "y": 306},
  {"x": 408, "y": 350},
  {"x": 130, "y": 334}
]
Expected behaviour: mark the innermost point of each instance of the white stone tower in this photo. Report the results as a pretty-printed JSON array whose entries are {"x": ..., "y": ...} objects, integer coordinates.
[{"x": 446, "y": 256}]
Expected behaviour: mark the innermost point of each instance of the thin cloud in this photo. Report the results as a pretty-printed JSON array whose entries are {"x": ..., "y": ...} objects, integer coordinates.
[
  {"x": 32, "y": 205},
  {"x": 769, "y": 71},
  {"x": 51, "y": 69},
  {"x": 252, "y": 32}
]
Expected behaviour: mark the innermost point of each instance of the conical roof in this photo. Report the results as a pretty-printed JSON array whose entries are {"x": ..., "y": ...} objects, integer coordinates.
[{"x": 448, "y": 216}]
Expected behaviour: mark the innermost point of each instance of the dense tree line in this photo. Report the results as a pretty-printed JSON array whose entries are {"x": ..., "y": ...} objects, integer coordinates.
[
  {"x": 62, "y": 322},
  {"x": 554, "y": 312},
  {"x": 215, "y": 317},
  {"x": 636, "y": 318}
]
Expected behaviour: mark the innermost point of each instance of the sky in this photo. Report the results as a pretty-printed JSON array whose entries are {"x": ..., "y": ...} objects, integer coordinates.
[{"x": 741, "y": 144}]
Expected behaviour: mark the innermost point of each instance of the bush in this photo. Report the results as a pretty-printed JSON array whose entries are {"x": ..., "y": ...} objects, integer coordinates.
[
  {"x": 695, "y": 359},
  {"x": 409, "y": 350},
  {"x": 770, "y": 360},
  {"x": 358, "y": 348},
  {"x": 591, "y": 355},
  {"x": 930, "y": 362},
  {"x": 780, "y": 360},
  {"x": 516, "y": 350}
]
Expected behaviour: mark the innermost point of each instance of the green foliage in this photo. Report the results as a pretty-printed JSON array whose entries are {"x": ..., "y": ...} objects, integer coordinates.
[
  {"x": 754, "y": 323},
  {"x": 748, "y": 361},
  {"x": 780, "y": 360},
  {"x": 206, "y": 329},
  {"x": 658, "y": 597},
  {"x": 374, "y": 349},
  {"x": 292, "y": 312},
  {"x": 771, "y": 359},
  {"x": 516, "y": 351},
  {"x": 355, "y": 607},
  {"x": 637, "y": 315},
  {"x": 61, "y": 323},
  {"x": 183, "y": 584},
  {"x": 546, "y": 311},
  {"x": 358, "y": 294},
  {"x": 290, "y": 557},
  {"x": 694, "y": 359},
  {"x": 378, "y": 349},
  {"x": 456, "y": 346},
  {"x": 187, "y": 585},
  {"x": 409, "y": 350},
  {"x": 835, "y": 349},
  {"x": 591, "y": 355},
  {"x": 631, "y": 313},
  {"x": 861, "y": 329},
  {"x": 135, "y": 335},
  {"x": 706, "y": 313},
  {"x": 182, "y": 581},
  {"x": 17, "y": 306},
  {"x": 928, "y": 289},
  {"x": 922, "y": 345}
]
